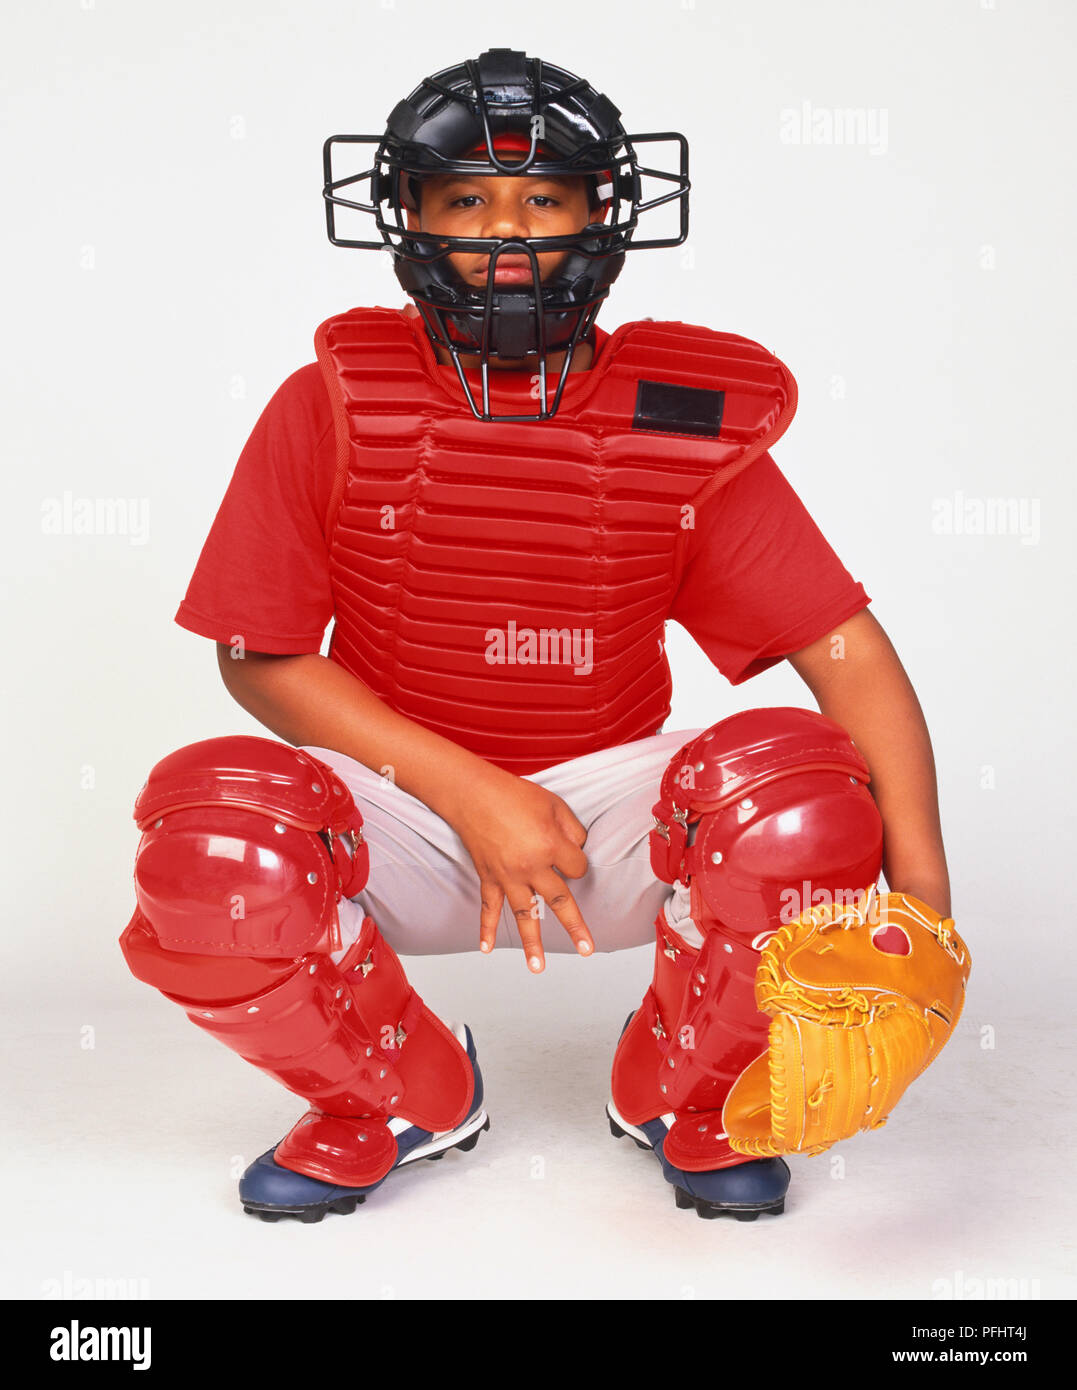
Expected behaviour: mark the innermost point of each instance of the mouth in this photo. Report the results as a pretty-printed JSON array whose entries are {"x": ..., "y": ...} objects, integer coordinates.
[{"x": 511, "y": 270}]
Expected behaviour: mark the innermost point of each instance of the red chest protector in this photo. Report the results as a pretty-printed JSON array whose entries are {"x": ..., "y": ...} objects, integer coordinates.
[{"x": 506, "y": 584}]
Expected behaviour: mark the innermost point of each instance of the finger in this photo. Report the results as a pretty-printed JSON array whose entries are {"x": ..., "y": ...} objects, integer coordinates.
[
  {"x": 526, "y": 907},
  {"x": 571, "y": 860},
  {"x": 493, "y": 898},
  {"x": 571, "y": 824},
  {"x": 555, "y": 894}
]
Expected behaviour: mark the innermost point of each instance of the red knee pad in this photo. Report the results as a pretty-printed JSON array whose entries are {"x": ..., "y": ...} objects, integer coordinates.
[
  {"x": 782, "y": 812},
  {"x": 191, "y": 977},
  {"x": 243, "y": 849}
]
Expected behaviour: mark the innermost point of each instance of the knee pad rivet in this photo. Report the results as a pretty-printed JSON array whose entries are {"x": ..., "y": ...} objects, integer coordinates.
[
  {"x": 347, "y": 1003},
  {"x": 382, "y": 1074},
  {"x": 700, "y": 766},
  {"x": 339, "y": 992},
  {"x": 278, "y": 827},
  {"x": 696, "y": 990},
  {"x": 206, "y": 1015},
  {"x": 253, "y": 1009},
  {"x": 370, "y": 1052},
  {"x": 157, "y": 824},
  {"x": 716, "y": 857},
  {"x": 747, "y": 804},
  {"x": 393, "y": 1100},
  {"x": 315, "y": 786},
  {"x": 312, "y": 877},
  {"x": 312, "y": 969}
]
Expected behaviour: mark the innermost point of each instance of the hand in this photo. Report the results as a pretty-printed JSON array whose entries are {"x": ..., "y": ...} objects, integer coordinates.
[
  {"x": 935, "y": 892},
  {"x": 521, "y": 839}
]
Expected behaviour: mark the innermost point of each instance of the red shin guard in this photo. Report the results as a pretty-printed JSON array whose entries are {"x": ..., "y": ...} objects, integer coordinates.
[
  {"x": 354, "y": 1040},
  {"x": 687, "y": 1044}
]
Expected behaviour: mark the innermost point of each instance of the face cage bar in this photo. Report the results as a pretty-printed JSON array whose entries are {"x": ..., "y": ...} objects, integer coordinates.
[
  {"x": 434, "y": 313},
  {"x": 563, "y": 168},
  {"x": 585, "y": 317},
  {"x": 478, "y": 97}
]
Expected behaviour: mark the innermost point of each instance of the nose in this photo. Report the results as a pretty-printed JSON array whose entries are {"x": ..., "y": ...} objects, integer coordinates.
[{"x": 506, "y": 219}]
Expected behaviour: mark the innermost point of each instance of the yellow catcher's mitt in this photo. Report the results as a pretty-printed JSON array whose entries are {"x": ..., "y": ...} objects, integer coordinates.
[{"x": 862, "y": 999}]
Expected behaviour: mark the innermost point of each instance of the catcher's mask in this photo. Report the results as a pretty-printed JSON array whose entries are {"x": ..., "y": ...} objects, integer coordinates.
[{"x": 556, "y": 125}]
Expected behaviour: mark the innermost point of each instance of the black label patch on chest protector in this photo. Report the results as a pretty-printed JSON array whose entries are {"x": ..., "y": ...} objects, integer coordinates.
[{"x": 661, "y": 405}]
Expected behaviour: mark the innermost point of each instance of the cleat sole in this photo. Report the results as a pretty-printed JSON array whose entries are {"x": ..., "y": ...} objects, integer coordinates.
[
  {"x": 707, "y": 1210},
  {"x": 619, "y": 1133},
  {"x": 710, "y": 1210},
  {"x": 344, "y": 1206}
]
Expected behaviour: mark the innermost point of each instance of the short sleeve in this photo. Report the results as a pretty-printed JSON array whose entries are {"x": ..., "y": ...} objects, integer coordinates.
[
  {"x": 760, "y": 579},
  {"x": 263, "y": 573}
]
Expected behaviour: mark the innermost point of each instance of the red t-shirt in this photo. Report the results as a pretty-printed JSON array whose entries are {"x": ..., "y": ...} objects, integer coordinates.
[{"x": 263, "y": 573}]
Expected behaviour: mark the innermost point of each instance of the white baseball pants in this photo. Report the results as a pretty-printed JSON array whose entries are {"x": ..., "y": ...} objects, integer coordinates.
[{"x": 423, "y": 890}]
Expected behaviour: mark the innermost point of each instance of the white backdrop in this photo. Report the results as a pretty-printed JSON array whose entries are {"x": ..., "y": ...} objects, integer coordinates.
[{"x": 882, "y": 194}]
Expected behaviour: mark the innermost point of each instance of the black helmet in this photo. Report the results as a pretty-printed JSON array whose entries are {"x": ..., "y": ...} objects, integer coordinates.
[{"x": 462, "y": 120}]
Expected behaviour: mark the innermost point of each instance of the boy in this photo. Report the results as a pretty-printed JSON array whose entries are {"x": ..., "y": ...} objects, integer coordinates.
[{"x": 500, "y": 576}]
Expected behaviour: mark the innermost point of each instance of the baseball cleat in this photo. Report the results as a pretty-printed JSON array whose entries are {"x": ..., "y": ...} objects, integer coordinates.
[{"x": 271, "y": 1191}]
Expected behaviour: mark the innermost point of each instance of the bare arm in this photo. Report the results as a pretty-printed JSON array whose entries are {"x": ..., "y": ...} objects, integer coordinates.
[
  {"x": 311, "y": 700},
  {"x": 522, "y": 839},
  {"x": 859, "y": 682}
]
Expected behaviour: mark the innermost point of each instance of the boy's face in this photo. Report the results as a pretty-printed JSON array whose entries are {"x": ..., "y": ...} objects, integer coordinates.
[{"x": 505, "y": 207}]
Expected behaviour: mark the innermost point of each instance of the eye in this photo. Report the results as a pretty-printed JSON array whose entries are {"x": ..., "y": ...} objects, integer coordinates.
[{"x": 469, "y": 199}]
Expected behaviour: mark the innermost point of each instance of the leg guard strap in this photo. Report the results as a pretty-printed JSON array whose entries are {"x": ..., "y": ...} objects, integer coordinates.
[
  {"x": 720, "y": 1029},
  {"x": 697, "y": 1029},
  {"x": 637, "y": 1080},
  {"x": 436, "y": 1073}
]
